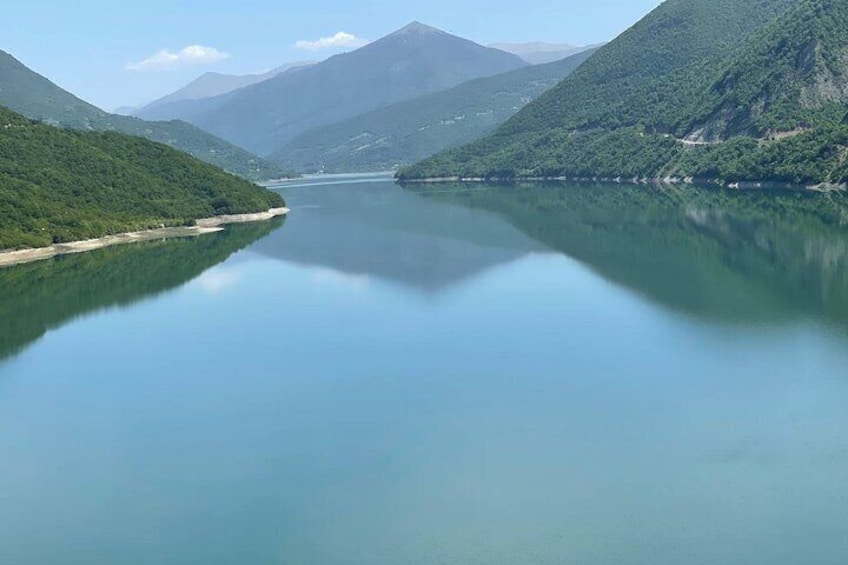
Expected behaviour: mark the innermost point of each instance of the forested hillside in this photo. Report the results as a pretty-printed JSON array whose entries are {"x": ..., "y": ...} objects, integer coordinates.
[
  {"x": 648, "y": 75},
  {"x": 791, "y": 77},
  {"x": 61, "y": 185},
  {"x": 736, "y": 90},
  {"x": 34, "y": 96}
]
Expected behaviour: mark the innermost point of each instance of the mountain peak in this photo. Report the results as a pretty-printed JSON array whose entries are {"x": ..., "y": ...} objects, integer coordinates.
[{"x": 417, "y": 28}]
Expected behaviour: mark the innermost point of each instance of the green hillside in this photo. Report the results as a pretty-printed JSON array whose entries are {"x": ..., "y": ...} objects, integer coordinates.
[
  {"x": 34, "y": 96},
  {"x": 791, "y": 77},
  {"x": 61, "y": 185},
  {"x": 756, "y": 92},
  {"x": 648, "y": 75},
  {"x": 409, "y": 131}
]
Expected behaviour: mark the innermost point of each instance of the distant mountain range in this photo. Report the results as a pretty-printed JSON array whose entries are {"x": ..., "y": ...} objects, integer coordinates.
[
  {"x": 730, "y": 91},
  {"x": 125, "y": 110},
  {"x": 539, "y": 53},
  {"x": 405, "y": 132},
  {"x": 34, "y": 96},
  {"x": 411, "y": 62},
  {"x": 209, "y": 85},
  {"x": 409, "y": 95}
]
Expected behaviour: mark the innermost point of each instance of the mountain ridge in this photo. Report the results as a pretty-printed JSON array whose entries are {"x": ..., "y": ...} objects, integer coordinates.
[
  {"x": 540, "y": 52},
  {"x": 59, "y": 185},
  {"x": 408, "y": 131},
  {"x": 764, "y": 104},
  {"x": 788, "y": 75},
  {"x": 35, "y": 96},
  {"x": 210, "y": 85},
  {"x": 410, "y": 62}
]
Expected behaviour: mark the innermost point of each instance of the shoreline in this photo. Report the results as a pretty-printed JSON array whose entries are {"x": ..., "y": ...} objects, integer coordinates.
[
  {"x": 203, "y": 226},
  {"x": 743, "y": 185},
  {"x": 326, "y": 177}
]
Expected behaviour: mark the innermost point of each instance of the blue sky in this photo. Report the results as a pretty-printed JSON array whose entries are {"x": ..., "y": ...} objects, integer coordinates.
[{"x": 114, "y": 54}]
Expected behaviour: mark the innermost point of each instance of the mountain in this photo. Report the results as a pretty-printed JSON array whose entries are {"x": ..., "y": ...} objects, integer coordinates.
[
  {"x": 792, "y": 76},
  {"x": 31, "y": 94},
  {"x": 59, "y": 185},
  {"x": 414, "y": 61},
  {"x": 731, "y": 90},
  {"x": 539, "y": 53},
  {"x": 209, "y": 85},
  {"x": 125, "y": 110},
  {"x": 409, "y": 131}
]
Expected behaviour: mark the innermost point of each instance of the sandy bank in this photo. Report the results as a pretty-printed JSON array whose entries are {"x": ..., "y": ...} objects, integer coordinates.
[
  {"x": 241, "y": 218},
  {"x": 204, "y": 226}
]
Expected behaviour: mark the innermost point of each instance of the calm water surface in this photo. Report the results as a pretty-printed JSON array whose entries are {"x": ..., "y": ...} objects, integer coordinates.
[{"x": 499, "y": 375}]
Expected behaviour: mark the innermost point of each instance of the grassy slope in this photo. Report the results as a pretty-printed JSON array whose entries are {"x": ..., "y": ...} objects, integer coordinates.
[{"x": 61, "y": 185}]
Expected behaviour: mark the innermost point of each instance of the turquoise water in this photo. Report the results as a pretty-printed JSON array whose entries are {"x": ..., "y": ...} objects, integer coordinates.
[{"x": 470, "y": 375}]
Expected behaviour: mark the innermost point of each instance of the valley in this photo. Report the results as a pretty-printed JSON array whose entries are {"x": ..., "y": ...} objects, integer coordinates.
[{"x": 322, "y": 284}]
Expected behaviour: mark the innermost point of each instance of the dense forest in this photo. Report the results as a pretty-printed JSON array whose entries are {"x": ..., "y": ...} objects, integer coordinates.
[
  {"x": 811, "y": 158},
  {"x": 756, "y": 92},
  {"x": 60, "y": 185},
  {"x": 792, "y": 76}
]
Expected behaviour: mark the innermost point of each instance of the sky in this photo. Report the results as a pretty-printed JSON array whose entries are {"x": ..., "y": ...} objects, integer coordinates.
[{"x": 131, "y": 52}]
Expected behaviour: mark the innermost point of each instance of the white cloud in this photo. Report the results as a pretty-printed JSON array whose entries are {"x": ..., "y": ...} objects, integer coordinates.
[
  {"x": 345, "y": 281},
  {"x": 340, "y": 40},
  {"x": 218, "y": 280},
  {"x": 166, "y": 60}
]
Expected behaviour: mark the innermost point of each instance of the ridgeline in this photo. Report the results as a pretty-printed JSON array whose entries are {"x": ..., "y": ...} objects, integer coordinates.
[{"x": 728, "y": 91}]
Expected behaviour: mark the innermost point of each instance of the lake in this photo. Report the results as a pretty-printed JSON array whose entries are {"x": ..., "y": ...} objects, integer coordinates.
[{"x": 439, "y": 375}]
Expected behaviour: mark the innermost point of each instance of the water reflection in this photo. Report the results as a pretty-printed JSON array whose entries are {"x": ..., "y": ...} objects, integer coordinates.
[
  {"x": 41, "y": 296},
  {"x": 723, "y": 256},
  {"x": 727, "y": 256},
  {"x": 377, "y": 229},
  {"x": 535, "y": 413}
]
